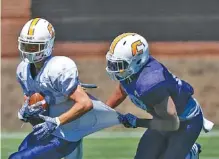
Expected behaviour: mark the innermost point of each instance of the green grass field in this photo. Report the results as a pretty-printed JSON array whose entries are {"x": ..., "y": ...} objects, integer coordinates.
[{"x": 119, "y": 147}]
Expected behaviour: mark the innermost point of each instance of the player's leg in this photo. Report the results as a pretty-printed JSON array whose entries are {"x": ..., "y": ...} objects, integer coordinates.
[
  {"x": 52, "y": 147},
  {"x": 151, "y": 145},
  {"x": 180, "y": 143},
  {"x": 77, "y": 153},
  {"x": 194, "y": 152},
  {"x": 24, "y": 143}
]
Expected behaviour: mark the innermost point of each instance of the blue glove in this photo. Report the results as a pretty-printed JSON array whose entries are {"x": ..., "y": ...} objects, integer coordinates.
[
  {"x": 128, "y": 120},
  {"x": 43, "y": 130},
  {"x": 27, "y": 111}
]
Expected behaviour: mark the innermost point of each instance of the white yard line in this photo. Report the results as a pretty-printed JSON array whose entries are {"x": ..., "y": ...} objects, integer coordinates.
[{"x": 103, "y": 134}]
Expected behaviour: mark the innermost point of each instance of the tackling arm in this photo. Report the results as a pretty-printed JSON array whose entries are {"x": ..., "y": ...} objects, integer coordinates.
[
  {"x": 167, "y": 119},
  {"x": 117, "y": 97}
]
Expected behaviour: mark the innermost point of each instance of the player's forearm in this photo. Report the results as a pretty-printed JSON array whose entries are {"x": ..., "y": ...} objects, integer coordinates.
[
  {"x": 75, "y": 112},
  {"x": 117, "y": 97},
  {"x": 170, "y": 124},
  {"x": 114, "y": 101}
]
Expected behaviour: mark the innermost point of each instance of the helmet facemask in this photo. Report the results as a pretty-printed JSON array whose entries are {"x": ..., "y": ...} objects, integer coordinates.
[
  {"x": 118, "y": 69},
  {"x": 35, "y": 51}
]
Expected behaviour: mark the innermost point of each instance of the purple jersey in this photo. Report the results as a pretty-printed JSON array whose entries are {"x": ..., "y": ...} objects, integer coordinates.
[{"x": 154, "y": 83}]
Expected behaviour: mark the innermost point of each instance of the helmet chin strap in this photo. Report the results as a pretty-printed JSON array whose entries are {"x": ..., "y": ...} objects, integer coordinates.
[{"x": 131, "y": 78}]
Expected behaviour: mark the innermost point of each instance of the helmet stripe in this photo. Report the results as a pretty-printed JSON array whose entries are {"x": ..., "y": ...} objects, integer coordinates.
[
  {"x": 117, "y": 39},
  {"x": 32, "y": 26}
]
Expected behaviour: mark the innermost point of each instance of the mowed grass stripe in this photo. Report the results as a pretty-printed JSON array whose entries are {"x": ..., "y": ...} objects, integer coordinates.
[
  {"x": 104, "y": 134},
  {"x": 118, "y": 148}
]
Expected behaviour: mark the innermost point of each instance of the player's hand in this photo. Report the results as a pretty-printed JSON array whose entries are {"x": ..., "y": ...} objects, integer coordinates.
[
  {"x": 43, "y": 130},
  {"x": 128, "y": 120},
  {"x": 27, "y": 111}
]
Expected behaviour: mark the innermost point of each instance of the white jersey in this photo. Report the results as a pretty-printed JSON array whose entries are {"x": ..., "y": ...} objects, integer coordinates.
[{"x": 57, "y": 79}]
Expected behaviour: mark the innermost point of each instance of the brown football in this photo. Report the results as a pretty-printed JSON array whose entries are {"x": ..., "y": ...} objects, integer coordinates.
[{"x": 37, "y": 97}]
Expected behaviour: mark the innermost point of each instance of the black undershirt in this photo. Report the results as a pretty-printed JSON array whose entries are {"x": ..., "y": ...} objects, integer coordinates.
[{"x": 33, "y": 71}]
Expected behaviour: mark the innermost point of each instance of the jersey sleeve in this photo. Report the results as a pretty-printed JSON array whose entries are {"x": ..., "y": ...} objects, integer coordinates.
[
  {"x": 20, "y": 80},
  {"x": 66, "y": 76},
  {"x": 156, "y": 94}
]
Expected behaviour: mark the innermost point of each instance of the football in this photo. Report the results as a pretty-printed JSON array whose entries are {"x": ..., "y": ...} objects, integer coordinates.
[{"x": 37, "y": 97}]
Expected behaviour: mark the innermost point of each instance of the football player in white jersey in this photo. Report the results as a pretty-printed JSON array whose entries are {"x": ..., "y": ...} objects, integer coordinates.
[{"x": 72, "y": 113}]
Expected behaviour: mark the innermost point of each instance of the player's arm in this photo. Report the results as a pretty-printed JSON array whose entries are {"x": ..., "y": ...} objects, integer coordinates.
[
  {"x": 66, "y": 83},
  {"x": 164, "y": 113},
  {"x": 117, "y": 97},
  {"x": 166, "y": 119},
  {"x": 82, "y": 105},
  {"x": 22, "y": 111}
]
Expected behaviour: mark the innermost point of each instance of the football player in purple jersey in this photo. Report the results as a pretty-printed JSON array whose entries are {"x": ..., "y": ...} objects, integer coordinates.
[{"x": 177, "y": 117}]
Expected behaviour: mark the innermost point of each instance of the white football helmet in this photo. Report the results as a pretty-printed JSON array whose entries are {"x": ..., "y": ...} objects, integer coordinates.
[
  {"x": 127, "y": 55},
  {"x": 36, "y": 40}
]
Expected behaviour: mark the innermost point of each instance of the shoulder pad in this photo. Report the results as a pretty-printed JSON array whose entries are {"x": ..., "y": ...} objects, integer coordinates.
[
  {"x": 150, "y": 76},
  {"x": 21, "y": 71},
  {"x": 59, "y": 64},
  {"x": 63, "y": 74}
]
